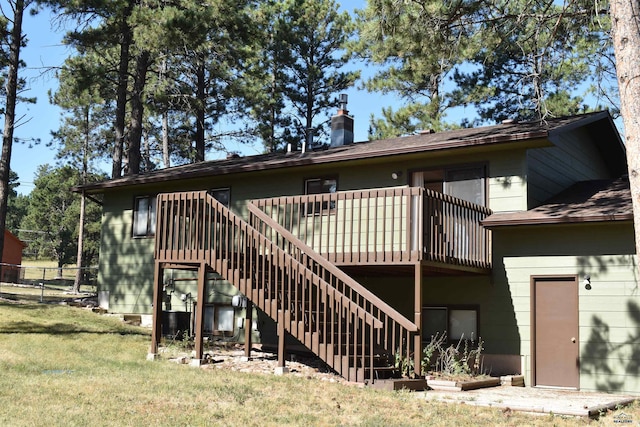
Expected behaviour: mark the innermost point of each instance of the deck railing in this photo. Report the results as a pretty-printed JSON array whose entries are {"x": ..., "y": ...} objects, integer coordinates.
[
  {"x": 453, "y": 233},
  {"x": 399, "y": 225},
  {"x": 341, "y": 324}
]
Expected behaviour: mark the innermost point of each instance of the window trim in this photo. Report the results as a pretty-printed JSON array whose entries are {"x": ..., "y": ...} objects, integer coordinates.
[{"x": 151, "y": 216}]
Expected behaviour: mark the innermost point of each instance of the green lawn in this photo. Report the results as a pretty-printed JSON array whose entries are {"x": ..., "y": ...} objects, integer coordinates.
[{"x": 66, "y": 366}]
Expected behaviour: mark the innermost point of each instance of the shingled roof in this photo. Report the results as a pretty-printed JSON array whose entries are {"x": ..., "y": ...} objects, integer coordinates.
[
  {"x": 423, "y": 142},
  {"x": 586, "y": 201}
]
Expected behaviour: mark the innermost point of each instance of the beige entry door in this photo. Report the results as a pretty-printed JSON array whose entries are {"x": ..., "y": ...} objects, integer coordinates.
[{"x": 555, "y": 345}]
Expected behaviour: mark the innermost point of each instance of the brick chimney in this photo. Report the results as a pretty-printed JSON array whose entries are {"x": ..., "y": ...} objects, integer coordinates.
[{"x": 342, "y": 125}]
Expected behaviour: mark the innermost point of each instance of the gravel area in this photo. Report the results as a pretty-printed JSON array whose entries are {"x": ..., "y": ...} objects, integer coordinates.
[{"x": 261, "y": 362}]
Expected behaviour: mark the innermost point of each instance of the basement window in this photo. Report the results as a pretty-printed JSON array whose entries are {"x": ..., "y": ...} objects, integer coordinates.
[
  {"x": 144, "y": 216},
  {"x": 458, "y": 322},
  {"x": 219, "y": 320}
]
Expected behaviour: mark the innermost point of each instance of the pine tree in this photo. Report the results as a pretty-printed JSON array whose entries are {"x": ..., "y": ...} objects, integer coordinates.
[
  {"x": 54, "y": 210},
  {"x": 522, "y": 59},
  {"x": 531, "y": 60},
  {"x": 12, "y": 43},
  {"x": 417, "y": 45},
  {"x": 267, "y": 77},
  {"x": 317, "y": 36},
  {"x": 80, "y": 139}
]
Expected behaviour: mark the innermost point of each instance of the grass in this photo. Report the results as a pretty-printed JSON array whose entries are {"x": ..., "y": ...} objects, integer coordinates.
[{"x": 67, "y": 366}]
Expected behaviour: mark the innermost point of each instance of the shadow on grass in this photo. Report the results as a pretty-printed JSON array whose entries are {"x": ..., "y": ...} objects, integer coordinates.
[
  {"x": 26, "y": 327},
  {"x": 24, "y": 304},
  {"x": 37, "y": 298},
  {"x": 57, "y": 328}
]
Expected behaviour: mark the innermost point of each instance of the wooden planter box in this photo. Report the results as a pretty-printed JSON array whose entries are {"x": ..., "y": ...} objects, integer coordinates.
[{"x": 461, "y": 385}]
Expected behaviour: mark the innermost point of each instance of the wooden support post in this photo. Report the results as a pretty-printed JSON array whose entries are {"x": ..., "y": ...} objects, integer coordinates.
[
  {"x": 156, "y": 325},
  {"x": 199, "y": 312},
  {"x": 281, "y": 368},
  {"x": 417, "y": 319},
  {"x": 248, "y": 323}
]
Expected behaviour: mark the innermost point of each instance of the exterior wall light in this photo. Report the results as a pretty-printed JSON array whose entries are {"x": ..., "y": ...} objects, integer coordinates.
[
  {"x": 396, "y": 174},
  {"x": 587, "y": 282}
]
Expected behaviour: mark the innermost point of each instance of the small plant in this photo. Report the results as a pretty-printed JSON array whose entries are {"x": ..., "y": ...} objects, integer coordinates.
[
  {"x": 404, "y": 364},
  {"x": 432, "y": 350},
  {"x": 461, "y": 359}
]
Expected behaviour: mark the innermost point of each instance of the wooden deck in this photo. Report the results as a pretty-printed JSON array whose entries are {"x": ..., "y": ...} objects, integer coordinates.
[
  {"x": 285, "y": 259},
  {"x": 386, "y": 227}
]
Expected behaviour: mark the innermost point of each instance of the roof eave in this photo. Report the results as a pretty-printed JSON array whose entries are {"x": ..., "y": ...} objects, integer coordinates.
[{"x": 305, "y": 160}]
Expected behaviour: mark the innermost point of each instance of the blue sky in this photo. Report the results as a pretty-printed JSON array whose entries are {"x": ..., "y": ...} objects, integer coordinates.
[{"x": 44, "y": 51}]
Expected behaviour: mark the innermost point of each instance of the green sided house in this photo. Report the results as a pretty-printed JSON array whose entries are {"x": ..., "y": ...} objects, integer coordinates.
[{"x": 518, "y": 233}]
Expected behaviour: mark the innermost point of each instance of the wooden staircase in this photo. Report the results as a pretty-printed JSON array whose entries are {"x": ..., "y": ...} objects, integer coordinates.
[{"x": 336, "y": 318}]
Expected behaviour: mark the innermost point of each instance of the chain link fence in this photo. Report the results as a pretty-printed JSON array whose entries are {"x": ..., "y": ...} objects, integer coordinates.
[{"x": 36, "y": 275}]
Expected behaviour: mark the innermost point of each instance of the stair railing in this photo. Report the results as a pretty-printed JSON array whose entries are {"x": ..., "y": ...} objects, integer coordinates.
[
  {"x": 394, "y": 339},
  {"x": 194, "y": 227}
]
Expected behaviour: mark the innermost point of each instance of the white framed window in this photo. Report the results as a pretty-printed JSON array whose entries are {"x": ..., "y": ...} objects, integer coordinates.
[
  {"x": 219, "y": 319},
  {"x": 144, "y": 216},
  {"x": 224, "y": 318},
  {"x": 466, "y": 183},
  {"x": 459, "y": 322},
  {"x": 463, "y": 182}
]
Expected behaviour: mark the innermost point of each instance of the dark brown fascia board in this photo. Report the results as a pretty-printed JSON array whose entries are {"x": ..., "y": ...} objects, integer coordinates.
[
  {"x": 288, "y": 161},
  {"x": 587, "y": 120},
  {"x": 584, "y": 121},
  {"x": 498, "y": 223}
]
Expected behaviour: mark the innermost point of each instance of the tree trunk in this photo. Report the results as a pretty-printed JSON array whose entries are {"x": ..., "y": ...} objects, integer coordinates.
[
  {"x": 10, "y": 115},
  {"x": 166, "y": 156},
  {"x": 625, "y": 20},
  {"x": 200, "y": 111},
  {"x": 137, "y": 113},
  {"x": 83, "y": 180},
  {"x": 126, "y": 37},
  {"x": 78, "y": 279},
  {"x": 146, "y": 156}
]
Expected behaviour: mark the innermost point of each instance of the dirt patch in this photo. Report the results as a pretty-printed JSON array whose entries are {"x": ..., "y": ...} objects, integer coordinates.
[{"x": 262, "y": 362}]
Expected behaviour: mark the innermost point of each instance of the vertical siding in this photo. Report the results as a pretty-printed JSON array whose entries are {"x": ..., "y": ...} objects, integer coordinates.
[{"x": 573, "y": 158}]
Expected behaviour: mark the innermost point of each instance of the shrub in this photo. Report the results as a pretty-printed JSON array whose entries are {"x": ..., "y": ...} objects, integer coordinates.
[{"x": 461, "y": 359}]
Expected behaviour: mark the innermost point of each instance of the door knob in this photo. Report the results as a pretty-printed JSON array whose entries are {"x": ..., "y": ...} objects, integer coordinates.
[{"x": 573, "y": 339}]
